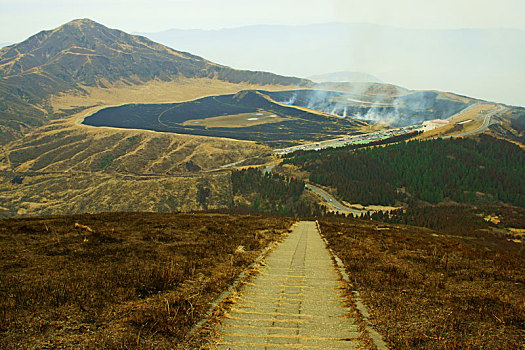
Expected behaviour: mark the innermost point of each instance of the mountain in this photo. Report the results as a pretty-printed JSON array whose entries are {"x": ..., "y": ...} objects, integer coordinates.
[
  {"x": 345, "y": 76},
  {"x": 85, "y": 53},
  {"x": 483, "y": 63}
]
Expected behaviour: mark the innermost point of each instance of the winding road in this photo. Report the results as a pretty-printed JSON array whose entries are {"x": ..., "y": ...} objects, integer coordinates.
[
  {"x": 483, "y": 126},
  {"x": 331, "y": 201}
]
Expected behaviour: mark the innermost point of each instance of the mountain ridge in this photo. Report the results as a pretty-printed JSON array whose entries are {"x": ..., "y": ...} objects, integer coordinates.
[
  {"x": 89, "y": 38},
  {"x": 85, "y": 53}
]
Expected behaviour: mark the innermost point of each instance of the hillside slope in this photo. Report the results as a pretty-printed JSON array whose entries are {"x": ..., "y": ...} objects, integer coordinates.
[{"x": 83, "y": 53}]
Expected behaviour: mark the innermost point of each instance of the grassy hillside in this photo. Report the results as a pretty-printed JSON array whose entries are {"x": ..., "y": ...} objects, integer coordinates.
[
  {"x": 30, "y": 194},
  {"x": 136, "y": 280},
  {"x": 66, "y": 170},
  {"x": 130, "y": 152},
  {"x": 511, "y": 125}
]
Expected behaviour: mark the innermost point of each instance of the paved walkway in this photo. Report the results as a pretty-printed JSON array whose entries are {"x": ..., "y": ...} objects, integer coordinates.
[{"x": 295, "y": 303}]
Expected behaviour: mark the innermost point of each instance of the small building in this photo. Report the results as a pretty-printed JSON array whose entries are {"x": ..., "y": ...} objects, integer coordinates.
[{"x": 433, "y": 124}]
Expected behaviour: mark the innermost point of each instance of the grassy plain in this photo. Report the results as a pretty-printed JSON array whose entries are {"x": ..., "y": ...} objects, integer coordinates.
[
  {"x": 153, "y": 91},
  {"x": 135, "y": 281}
]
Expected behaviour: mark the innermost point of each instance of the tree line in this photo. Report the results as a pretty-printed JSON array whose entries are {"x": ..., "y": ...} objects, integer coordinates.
[
  {"x": 467, "y": 170},
  {"x": 271, "y": 193}
]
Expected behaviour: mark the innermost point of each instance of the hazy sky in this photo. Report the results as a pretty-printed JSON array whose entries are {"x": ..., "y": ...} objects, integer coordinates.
[{"x": 21, "y": 18}]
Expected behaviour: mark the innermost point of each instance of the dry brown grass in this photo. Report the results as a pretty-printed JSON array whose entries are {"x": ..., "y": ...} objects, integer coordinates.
[
  {"x": 52, "y": 194},
  {"x": 137, "y": 281},
  {"x": 171, "y": 149},
  {"x": 431, "y": 291},
  {"x": 153, "y": 91},
  {"x": 57, "y": 148},
  {"x": 70, "y": 168}
]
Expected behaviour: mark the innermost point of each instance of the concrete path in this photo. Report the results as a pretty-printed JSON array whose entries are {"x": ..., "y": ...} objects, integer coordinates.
[{"x": 296, "y": 302}]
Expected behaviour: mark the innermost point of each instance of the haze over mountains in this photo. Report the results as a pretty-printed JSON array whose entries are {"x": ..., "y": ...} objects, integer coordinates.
[
  {"x": 482, "y": 63},
  {"x": 345, "y": 76}
]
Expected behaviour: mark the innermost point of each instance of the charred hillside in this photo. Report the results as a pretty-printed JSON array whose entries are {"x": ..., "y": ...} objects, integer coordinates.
[{"x": 283, "y": 125}]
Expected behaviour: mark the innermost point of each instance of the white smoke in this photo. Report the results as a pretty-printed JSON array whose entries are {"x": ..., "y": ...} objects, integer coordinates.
[
  {"x": 376, "y": 103},
  {"x": 290, "y": 101}
]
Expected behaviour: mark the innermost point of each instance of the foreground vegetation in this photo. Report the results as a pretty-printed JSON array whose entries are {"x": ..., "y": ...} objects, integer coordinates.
[
  {"x": 142, "y": 280},
  {"x": 129, "y": 280},
  {"x": 485, "y": 170},
  {"x": 432, "y": 290}
]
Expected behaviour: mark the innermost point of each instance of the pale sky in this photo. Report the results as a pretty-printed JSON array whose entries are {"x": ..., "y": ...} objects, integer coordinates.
[{"x": 20, "y": 19}]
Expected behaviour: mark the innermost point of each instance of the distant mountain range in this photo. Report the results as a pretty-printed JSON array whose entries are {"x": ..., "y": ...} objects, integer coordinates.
[
  {"x": 85, "y": 53},
  {"x": 483, "y": 63}
]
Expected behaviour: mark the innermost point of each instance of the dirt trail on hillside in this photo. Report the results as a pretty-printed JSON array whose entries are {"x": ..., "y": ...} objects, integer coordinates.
[{"x": 296, "y": 302}]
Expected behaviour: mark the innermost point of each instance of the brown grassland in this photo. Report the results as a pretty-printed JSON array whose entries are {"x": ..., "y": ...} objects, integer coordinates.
[
  {"x": 70, "y": 193},
  {"x": 120, "y": 281},
  {"x": 431, "y": 290},
  {"x": 68, "y": 167},
  {"x": 153, "y": 91}
]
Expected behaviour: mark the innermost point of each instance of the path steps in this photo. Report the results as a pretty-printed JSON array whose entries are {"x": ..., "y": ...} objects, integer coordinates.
[{"x": 295, "y": 303}]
